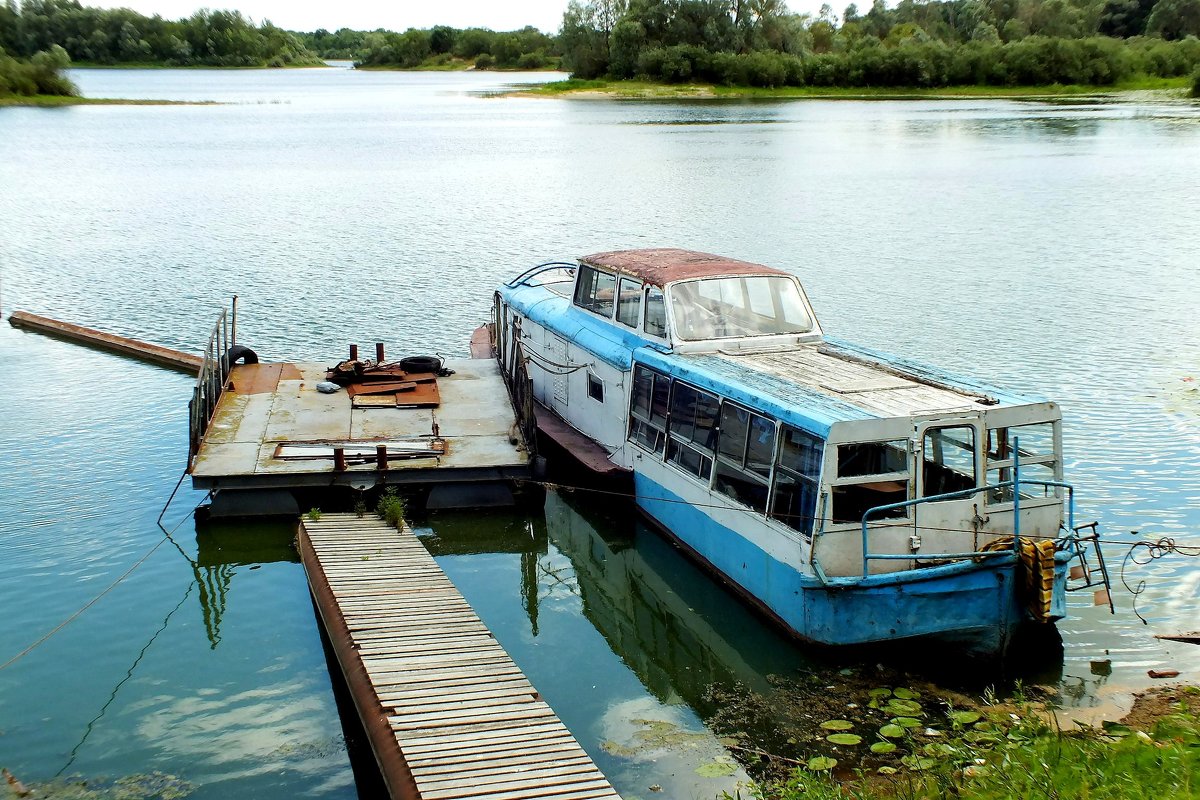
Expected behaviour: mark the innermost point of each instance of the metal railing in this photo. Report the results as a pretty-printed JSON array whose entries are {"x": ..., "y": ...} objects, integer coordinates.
[
  {"x": 212, "y": 378},
  {"x": 539, "y": 269},
  {"x": 1014, "y": 484}
]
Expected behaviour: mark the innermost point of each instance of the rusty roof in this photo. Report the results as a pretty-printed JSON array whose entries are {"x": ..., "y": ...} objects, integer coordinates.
[{"x": 659, "y": 266}]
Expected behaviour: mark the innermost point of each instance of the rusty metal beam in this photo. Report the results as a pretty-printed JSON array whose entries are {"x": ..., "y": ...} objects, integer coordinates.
[
  {"x": 122, "y": 345},
  {"x": 396, "y": 774}
]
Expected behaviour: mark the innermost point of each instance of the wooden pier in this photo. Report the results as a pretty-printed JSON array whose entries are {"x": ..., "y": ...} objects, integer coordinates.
[{"x": 448, "y": 713}]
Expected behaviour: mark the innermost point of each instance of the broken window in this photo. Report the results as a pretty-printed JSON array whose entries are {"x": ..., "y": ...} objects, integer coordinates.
[
  {"x": 870, "y": 474},
  {"x": 746, "y": 447},
  {"x": 595, "y": 387},
  {"x": 629, "y": 302},
  {"x": 949, "y": 460},
  {"x": 1039, "y": 461},
  {"x": 656, "y": 313},
  {"x": 692, "y": 429},
  {"x": 648, "y": 408},
  {"x": 794, "y": 501},
  {"x": 596, "y": 291}
]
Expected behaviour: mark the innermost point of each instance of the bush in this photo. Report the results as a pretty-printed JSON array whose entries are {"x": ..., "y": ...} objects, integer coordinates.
[
  {"x": 41, "y": 74},
  {"x": 531, "y": 61},
  {"x": 1196, "y": 83},
  {"x": 485, "y": 61}
]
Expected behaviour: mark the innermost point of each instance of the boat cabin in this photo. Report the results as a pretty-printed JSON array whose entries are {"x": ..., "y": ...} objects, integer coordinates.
[{"x": 711, "y": 378}]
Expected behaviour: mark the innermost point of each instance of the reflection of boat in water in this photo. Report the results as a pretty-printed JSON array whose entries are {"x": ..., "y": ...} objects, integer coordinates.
[
  {"x": 854, "y": 496},
  {"x": 677, "y": 630}
]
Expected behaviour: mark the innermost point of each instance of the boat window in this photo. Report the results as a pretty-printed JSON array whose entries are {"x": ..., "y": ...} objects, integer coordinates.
[
  {"x": 872, "y": 458},
  {"x": 794, "y": 500},
  {"x": 648, "y": 408},
  {"x": 745, "y": 448},
  {"x": 595, "y": 290},
  {"x": 870, "y": 474},
  {"x": 949, "y": 460},
  {"x": 1038, "y": 460},
  {"x": 720, "y": 308},
  {"x": 656, "y": 313},
  {"x": 595, "y": 387},
  {"x": 629, "y": 302},
  {"x": 692, "y": 429}
]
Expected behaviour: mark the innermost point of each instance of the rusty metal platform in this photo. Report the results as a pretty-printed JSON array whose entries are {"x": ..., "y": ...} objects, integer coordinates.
[
  {"x": 448, "y": 713},
  {"x": 271, "y": 424}
]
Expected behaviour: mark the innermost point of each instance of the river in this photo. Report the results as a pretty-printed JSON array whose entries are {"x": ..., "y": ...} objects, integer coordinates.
[{"x": 1049, "y": 247}]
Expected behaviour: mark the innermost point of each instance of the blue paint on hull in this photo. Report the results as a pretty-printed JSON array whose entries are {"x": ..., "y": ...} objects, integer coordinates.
[{"x": 974, "y": 604}]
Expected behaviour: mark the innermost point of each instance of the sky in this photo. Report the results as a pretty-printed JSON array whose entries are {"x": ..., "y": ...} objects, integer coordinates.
[{"x": 396, "y": 15}]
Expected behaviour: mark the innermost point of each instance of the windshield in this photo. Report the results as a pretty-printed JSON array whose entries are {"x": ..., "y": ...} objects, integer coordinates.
[{"x": 724, "y": 308}]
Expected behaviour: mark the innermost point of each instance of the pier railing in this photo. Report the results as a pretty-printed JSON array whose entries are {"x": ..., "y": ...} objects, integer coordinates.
[{"x": 212, "y": 378}]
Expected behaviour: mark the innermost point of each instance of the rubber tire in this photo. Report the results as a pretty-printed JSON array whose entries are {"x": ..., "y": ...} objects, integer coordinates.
[
  {"x": 239, "y": 351},
  {"x": 421, "y": 364}
]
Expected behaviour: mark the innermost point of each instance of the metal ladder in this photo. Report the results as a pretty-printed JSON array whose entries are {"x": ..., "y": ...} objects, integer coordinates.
[{"x": 1085, "y": 570}]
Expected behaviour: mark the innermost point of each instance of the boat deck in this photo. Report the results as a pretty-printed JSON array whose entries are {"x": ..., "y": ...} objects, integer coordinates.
[
  {"x": 448, "y": 713},
  {"x": 273, "y": 429}
]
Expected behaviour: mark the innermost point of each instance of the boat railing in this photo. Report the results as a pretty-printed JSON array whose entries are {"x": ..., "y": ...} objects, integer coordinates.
[
  {"x": 1015, "y": 485},
  {"x": 212, "y": 378},
  {"x": 533, "y": 272}
]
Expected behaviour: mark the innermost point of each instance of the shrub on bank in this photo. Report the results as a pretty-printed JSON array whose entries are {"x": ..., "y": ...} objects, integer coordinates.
[{"x": 41, "y": 74}]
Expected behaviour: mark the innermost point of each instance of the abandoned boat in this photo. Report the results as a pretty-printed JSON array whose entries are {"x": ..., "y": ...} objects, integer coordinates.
[{"x": 854, "y": 496}]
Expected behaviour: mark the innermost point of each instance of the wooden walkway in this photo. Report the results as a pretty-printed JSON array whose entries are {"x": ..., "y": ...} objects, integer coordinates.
[{"x": 448, "y": 713}]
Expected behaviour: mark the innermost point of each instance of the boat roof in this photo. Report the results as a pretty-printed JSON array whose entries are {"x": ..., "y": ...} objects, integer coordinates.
[{"x": 659, "y": 266}]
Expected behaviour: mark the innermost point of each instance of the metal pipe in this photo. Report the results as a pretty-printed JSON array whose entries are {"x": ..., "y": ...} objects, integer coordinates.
[
  {"x": 381, "y": 459},
  {"x": 1016, "y": 494},
  {"x": 233, "y": 324},
  {"x": 379, "y": 359},
  {"x": 339, "y": 459},
  {"x": 354, "y": 352}
]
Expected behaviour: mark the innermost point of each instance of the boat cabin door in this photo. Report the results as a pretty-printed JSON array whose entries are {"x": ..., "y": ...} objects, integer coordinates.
[{"x": 947, "y": 458}]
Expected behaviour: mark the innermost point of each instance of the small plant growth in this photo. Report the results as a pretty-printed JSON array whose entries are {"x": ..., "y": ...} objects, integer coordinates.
[
  {"x": 391, "y": 508},
  {"x": 314, "y": 514}
]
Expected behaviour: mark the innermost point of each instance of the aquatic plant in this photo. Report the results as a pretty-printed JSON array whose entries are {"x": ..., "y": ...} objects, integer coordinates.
[
  {"x": 391, "y": 507},
  {"x": 314, "y": 514}
]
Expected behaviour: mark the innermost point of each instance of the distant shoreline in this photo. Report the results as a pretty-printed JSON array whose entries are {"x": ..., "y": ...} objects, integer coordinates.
[
  {"x": 647, "y": 90},
  {"x": 63, "y": 101}
]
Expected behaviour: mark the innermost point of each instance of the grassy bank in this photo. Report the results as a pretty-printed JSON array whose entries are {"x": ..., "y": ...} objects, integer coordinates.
[
  {"x": 60, "y": 101},
  {"x": 646, "y": 90},
  {"x": 891, "y": 742}
]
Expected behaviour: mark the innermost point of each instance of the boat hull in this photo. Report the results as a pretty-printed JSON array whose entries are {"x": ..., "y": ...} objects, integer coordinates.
[{"x": 974, "y": 605}]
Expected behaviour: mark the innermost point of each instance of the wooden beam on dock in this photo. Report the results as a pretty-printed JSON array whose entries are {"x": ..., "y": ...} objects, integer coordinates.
[
  {"x": 448, "y": 713},
  {"x": 144, "y": 351}
]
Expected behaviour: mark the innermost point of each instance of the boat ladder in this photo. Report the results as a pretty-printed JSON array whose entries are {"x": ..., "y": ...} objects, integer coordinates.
[{"x": 1089, "y": 570}]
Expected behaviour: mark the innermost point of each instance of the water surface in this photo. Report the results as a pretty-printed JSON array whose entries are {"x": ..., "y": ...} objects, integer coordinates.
[{"x": 1047, "y": 247}]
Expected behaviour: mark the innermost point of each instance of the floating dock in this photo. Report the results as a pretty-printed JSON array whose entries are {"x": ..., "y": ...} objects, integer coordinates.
[
  {"x": 272, "y": 429},
  {"x": 448, "y": 714},
  {"x": 90, "y": 337}
]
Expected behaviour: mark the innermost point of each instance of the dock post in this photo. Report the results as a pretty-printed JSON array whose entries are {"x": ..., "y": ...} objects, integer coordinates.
[
  {"x": 379, "y": 353},
  {"x": 381, "y": 462},
  {"x": 339, "y": 459},
  {"x": 354, "y": 352}
]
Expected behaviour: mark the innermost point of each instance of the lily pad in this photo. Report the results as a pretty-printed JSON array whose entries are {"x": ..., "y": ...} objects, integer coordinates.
[
  {"x": 837, "y": 725},
  {"x": 886, "y": 770},
  {"x": 937, "y": 749},
  {"x": 891, "y": 731},
  {"x": 821, "y": 763},
  {"x": 716, "y": 769},
  {"x": 882, "y": 691},
  {"x": 883, "y": 747},
  {"x": 918, "y": 762},
  {"x": 903, "y": 708},
  {"x": 843, "y": 738},
  {"x": 907, "y": 722},
  {"x": 904, "y": 693},
  {"x": 963, "y": 717}
]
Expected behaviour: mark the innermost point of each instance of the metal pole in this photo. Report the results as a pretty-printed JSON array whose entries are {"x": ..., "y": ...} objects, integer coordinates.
[
  {"x": 233, "y": 325},
  {"x": 1017, "y": 494}
]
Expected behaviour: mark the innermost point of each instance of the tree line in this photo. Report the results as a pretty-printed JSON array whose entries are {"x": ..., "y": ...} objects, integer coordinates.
[
  {"x": 936, "y": 43},
  {"x": 121, "y": 36},
  {"x": 440, "y": 46}
]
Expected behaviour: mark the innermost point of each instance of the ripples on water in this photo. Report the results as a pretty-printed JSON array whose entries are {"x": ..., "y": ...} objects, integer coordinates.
[{"x": 1046, "y": 247}]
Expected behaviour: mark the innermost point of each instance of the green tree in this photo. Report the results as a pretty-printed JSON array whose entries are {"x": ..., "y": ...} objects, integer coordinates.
[{"x": 1175, "y": 19}]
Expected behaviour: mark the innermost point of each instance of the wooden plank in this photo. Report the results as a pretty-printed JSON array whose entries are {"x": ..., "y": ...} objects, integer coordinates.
[{"x": 466, "y": 721}]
